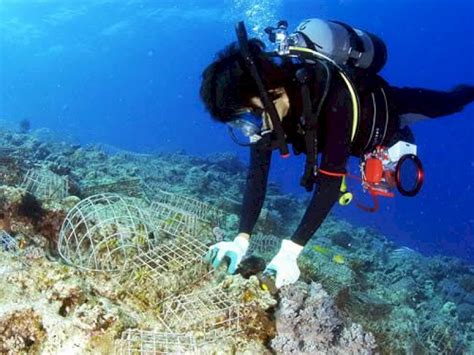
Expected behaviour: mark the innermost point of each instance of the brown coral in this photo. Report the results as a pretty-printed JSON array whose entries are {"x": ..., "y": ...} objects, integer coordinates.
[{"x": 21, "y": 330}]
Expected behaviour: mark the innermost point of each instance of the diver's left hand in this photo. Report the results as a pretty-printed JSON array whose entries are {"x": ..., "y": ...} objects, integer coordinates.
[
  {"x": 234, "y": 250},
  {"x": 284, "y": 265}
]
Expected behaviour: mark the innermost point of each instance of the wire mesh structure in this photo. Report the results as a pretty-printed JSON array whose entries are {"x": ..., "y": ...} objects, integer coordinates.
[
  {"x": 173, "y": 221},
  {"x": 202, "y": 210},
  {"x": 165, "y": 270},
  {"x": 44, "y": 184},
  {"x": 8, "y": 243},
  {"x": 104, "y": 232},
  {"x": 128, "y": 187},
  {"x": 191, "y": 320},
  {"x": 441, "y": 338},
  {"x": 144, "y": 342},
  {"x": 211, "y": 313},
  {"x": 264, "y": 244}
]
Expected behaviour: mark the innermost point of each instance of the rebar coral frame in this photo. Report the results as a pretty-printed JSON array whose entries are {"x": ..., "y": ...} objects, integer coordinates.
[
  {"x": 165, "y": 270},
  {"x": 202, "y": 210},
  {"x": 44, "y": 184},
  {"x": 211, "y": 313},
  {"x": 191, "y": 321},
  {"x": 8, "y": 243},
  {"x": 264, "y": 244},
  {"x": 145, "y": 342},
  {"x": 104, "y": 232},
  {"x": 442, "y": 338},
  {"x": 128, "y": 187},
  {"x": 173, "y": 221}
]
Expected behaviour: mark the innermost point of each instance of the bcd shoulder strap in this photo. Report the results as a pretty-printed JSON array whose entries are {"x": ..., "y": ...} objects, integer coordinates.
[{"x": 309, "y": 121}]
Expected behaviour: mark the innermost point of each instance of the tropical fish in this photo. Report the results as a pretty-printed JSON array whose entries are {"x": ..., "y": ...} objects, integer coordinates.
[
  {"x": 321, "y": 250},
  {"x": 338, "y": 259}
]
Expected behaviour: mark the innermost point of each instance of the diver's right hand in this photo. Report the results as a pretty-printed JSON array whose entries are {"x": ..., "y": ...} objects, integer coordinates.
[{"x": 234, "y": 250}]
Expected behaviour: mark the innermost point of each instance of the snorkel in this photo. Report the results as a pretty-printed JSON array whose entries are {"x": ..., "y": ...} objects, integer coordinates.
[{"x": 279, "y": 141}]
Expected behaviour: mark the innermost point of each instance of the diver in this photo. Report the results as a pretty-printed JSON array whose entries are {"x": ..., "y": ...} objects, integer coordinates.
[{"x": 321, "y": 93}]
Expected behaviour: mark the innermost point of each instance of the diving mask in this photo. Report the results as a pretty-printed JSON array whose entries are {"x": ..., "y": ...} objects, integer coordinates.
[{"x": 247, "y": 127}]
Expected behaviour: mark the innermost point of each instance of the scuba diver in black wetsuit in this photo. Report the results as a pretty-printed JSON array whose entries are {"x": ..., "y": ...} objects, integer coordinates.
[{"x": 319, "y": 91}]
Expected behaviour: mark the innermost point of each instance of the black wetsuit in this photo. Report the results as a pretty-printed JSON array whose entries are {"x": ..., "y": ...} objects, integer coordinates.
[{"x": 380, "y": 106}]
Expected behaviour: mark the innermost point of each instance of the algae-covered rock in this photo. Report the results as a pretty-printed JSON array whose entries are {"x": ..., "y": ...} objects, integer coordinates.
[{"x": 70, "y": 201}]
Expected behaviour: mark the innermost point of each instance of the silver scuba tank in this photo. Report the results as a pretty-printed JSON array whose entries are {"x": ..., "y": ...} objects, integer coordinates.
[{"x": 342, "y": 43}]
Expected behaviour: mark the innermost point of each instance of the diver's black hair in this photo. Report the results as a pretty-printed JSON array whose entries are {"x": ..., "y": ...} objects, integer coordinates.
[{"x": 227, "y": 84}]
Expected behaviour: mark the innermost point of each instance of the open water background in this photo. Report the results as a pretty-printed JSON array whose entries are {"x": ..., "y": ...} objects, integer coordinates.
[{"x": 127, "y": 73}]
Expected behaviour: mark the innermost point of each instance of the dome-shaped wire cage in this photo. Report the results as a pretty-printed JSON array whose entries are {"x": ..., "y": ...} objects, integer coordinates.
[
  {"x": 105, "y": 231},
  {"x": 44, "y": 184}
]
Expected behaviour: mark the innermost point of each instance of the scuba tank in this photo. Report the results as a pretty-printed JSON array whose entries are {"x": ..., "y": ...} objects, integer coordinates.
[
  {"x": 347, "y": 46},
  {"x": 385, "y": 168}
]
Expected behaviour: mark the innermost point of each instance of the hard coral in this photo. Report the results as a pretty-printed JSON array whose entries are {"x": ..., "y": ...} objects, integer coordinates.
[
  {"x": 308, "y": 322},
  {"x": 20, "y": 331}
]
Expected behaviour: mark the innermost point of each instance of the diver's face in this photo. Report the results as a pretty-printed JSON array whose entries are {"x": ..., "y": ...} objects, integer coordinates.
[
  {"x": 282, "y": 106},
  {"x": 251, "y": 122}
]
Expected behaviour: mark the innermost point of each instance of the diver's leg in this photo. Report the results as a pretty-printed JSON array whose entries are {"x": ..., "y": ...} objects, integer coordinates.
[
  {"x": 412, "y": 105},
  {"x": 430, "y": 103}
]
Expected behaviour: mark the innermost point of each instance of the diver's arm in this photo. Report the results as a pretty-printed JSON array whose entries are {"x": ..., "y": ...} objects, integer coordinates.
[
  {"x": 256, "y": 188},
  {"x": 328, "y": 183},
  {"x": 324, "y": 197},
  {"x": 260, "y": 157},
  {"x": 431, "y": 103},
  {"x": 336, "y": 130}
]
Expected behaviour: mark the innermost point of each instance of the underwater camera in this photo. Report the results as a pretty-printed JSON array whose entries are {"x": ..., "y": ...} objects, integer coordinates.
[
  {"x": 384, "y": 169},
  {"x": 398, "y": 167}
]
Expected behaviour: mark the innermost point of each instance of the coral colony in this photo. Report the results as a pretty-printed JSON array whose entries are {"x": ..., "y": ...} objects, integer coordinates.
[{"x": 102, "y": 252}]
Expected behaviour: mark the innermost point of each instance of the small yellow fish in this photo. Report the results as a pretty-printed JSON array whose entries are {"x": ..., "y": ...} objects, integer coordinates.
[
  {"x": 22, "y": 244},
  {"x": 321, "y": 250},
  {"x": 338, "y": 259}
]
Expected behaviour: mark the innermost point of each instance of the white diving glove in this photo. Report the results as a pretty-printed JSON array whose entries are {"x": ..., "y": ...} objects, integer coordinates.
[
  {"x": 234, "y": 250},
  {"x": 283, "y": 265}
]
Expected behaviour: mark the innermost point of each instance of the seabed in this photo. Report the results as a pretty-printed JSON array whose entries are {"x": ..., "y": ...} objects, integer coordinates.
[{"x": 101, "y": 252}]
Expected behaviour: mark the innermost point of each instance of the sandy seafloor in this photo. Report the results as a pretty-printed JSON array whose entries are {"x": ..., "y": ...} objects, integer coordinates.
[{"x": 101, "y": 252}]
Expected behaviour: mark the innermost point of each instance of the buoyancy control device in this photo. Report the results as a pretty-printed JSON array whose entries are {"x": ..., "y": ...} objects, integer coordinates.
[{"x": 385, "y": 168}]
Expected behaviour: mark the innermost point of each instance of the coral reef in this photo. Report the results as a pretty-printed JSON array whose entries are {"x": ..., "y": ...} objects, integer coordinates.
[
  {"x": 308, "y": 322},
  {"x": 20, "y": 330},
  {"x": 360, "y": 292}
]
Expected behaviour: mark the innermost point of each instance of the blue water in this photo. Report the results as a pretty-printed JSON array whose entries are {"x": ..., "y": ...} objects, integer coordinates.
[{"x": 127, "y": 73}]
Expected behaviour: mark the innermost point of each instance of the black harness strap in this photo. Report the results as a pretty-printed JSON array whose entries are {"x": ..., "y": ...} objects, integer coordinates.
[
  {"x": 280, "y": 141},
  {"x": 310, "y": 122}
]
